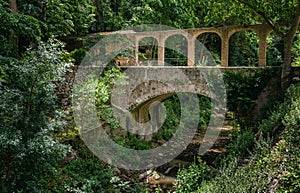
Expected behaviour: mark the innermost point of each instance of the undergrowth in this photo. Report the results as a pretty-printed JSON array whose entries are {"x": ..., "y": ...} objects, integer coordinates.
[{"x": 265, "y": 162}]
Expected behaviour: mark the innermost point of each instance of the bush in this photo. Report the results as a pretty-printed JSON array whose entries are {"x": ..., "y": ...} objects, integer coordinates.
[
  {"x": 189, "y": 180},
  {"x": 242, "y": 144},
  {"x": 78, "y": 55},
  {"x": 29, "y": 116},
  {"x": 287, "y": 151},
  {"x": 237, "y": 179},
  {"x": 270, "y": 167},
  {"x": 82, "y": 175}
]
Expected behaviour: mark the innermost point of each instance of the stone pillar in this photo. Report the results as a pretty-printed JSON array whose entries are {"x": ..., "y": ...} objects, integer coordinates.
[
  {"x": 191, "y": 51},
  {"x": 136, "y": 53},
  {"x": 161, "y": 53},
  {"x": 262, "y": 55},
  {"x": 225, "y": 48}
]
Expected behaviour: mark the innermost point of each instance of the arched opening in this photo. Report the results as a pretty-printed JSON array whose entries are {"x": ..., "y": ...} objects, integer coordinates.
[
  {"x": 212, "y": 42},
  {"x": 243, "y": 49},
  {"x": 169, "y": 115},
  {"x": 148, "y": 51},
  {"x": 274, "y": 50},
  {"x": 176, "y": 51}
]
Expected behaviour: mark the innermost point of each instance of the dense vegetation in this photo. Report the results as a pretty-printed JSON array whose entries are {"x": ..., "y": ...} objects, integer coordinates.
[
  {"x": 41, "y": 150},
  {"x": 261, "y": 163}
]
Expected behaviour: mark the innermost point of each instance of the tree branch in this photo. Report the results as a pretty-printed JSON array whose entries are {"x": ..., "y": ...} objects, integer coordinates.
[{"x": 264, "y": 16}]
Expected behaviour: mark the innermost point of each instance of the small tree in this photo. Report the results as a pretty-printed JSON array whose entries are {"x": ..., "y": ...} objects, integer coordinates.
[{"x": 29, "y": 117}]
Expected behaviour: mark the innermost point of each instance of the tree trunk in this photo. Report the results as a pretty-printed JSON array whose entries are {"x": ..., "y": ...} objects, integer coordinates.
[
  {"x": 287, "y": 60},
  {"x": 100, "y": 25},
  {"x": 288, "y": 44},
  {"x": 13, "y": 36},
  {"x": 13, "y": 6}
]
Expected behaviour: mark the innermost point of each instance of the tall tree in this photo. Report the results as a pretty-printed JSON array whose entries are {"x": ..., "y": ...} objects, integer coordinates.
[{"x": 283, "y": 17}]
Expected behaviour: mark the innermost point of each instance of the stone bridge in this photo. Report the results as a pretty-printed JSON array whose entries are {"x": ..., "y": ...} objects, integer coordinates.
[
  {"x": 149, "y": 84},
  {"x": 191, "y": 35}
]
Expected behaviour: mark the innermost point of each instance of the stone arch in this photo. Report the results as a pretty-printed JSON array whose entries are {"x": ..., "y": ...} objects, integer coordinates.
[
  {"x": 244, "y": 48},
  {"x": 148, "y": 50},
  {"x": 157, "y": 91},
  {"x": 141, "y": 111},
  {"x": 213, "y": 43},
  {"x": 176, "y": 50}
]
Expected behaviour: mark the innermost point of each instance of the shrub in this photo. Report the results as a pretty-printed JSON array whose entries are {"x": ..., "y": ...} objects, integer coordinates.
[
  {"x": 287, "y": 151},
  {"x": 189, "y": 180},
  {"x": 237, "y": 179},
  {"x": 242, "y": 144},
  {"x": 78, "y": 55},
  {"x": 82, "y": 175},
  {"x": 29, "y": 116},
  {"x": 270, "y": 167}
]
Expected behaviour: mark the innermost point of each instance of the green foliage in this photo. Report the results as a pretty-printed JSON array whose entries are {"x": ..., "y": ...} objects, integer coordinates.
[
  {"x": 295, "y": 51},
  {"x": 275, "y": 50},
  {"x": 272, "y": 9},
  {"x": 78, "y": 55},
  {"x": 58, "y": 19},
  {"x": 82, "y": 175},
  {"x": 224, "y": 13},
  {"x": 212, "y": 42},
  {"x": 29, "y": 117},
  {"x": 189, "y": 180},
  {"x": 292, "y": 118},
  {"x": 274, "y": 119},
  {"x": 105, "y": 112},
  {"x": 290, "y": 140},
  {"x": 242, "y": 143},
  {"x": 173, "y": 112},
  {"x": 232, "y": 178},
  {"x": 243, "y": 89},
  {"x": 270, "y": 167},
  {"x": 16, "y": 26},
  {"x": 173, "y": 115},
  {"x": 132, "y": 142},
  {"x": 64, "y": 17},
  {"x": 243, "y": 49},
  {"x": 102, "y": 95},
  {"x": 116, "y": 15},
  {"x": 205, "y": 111}
]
